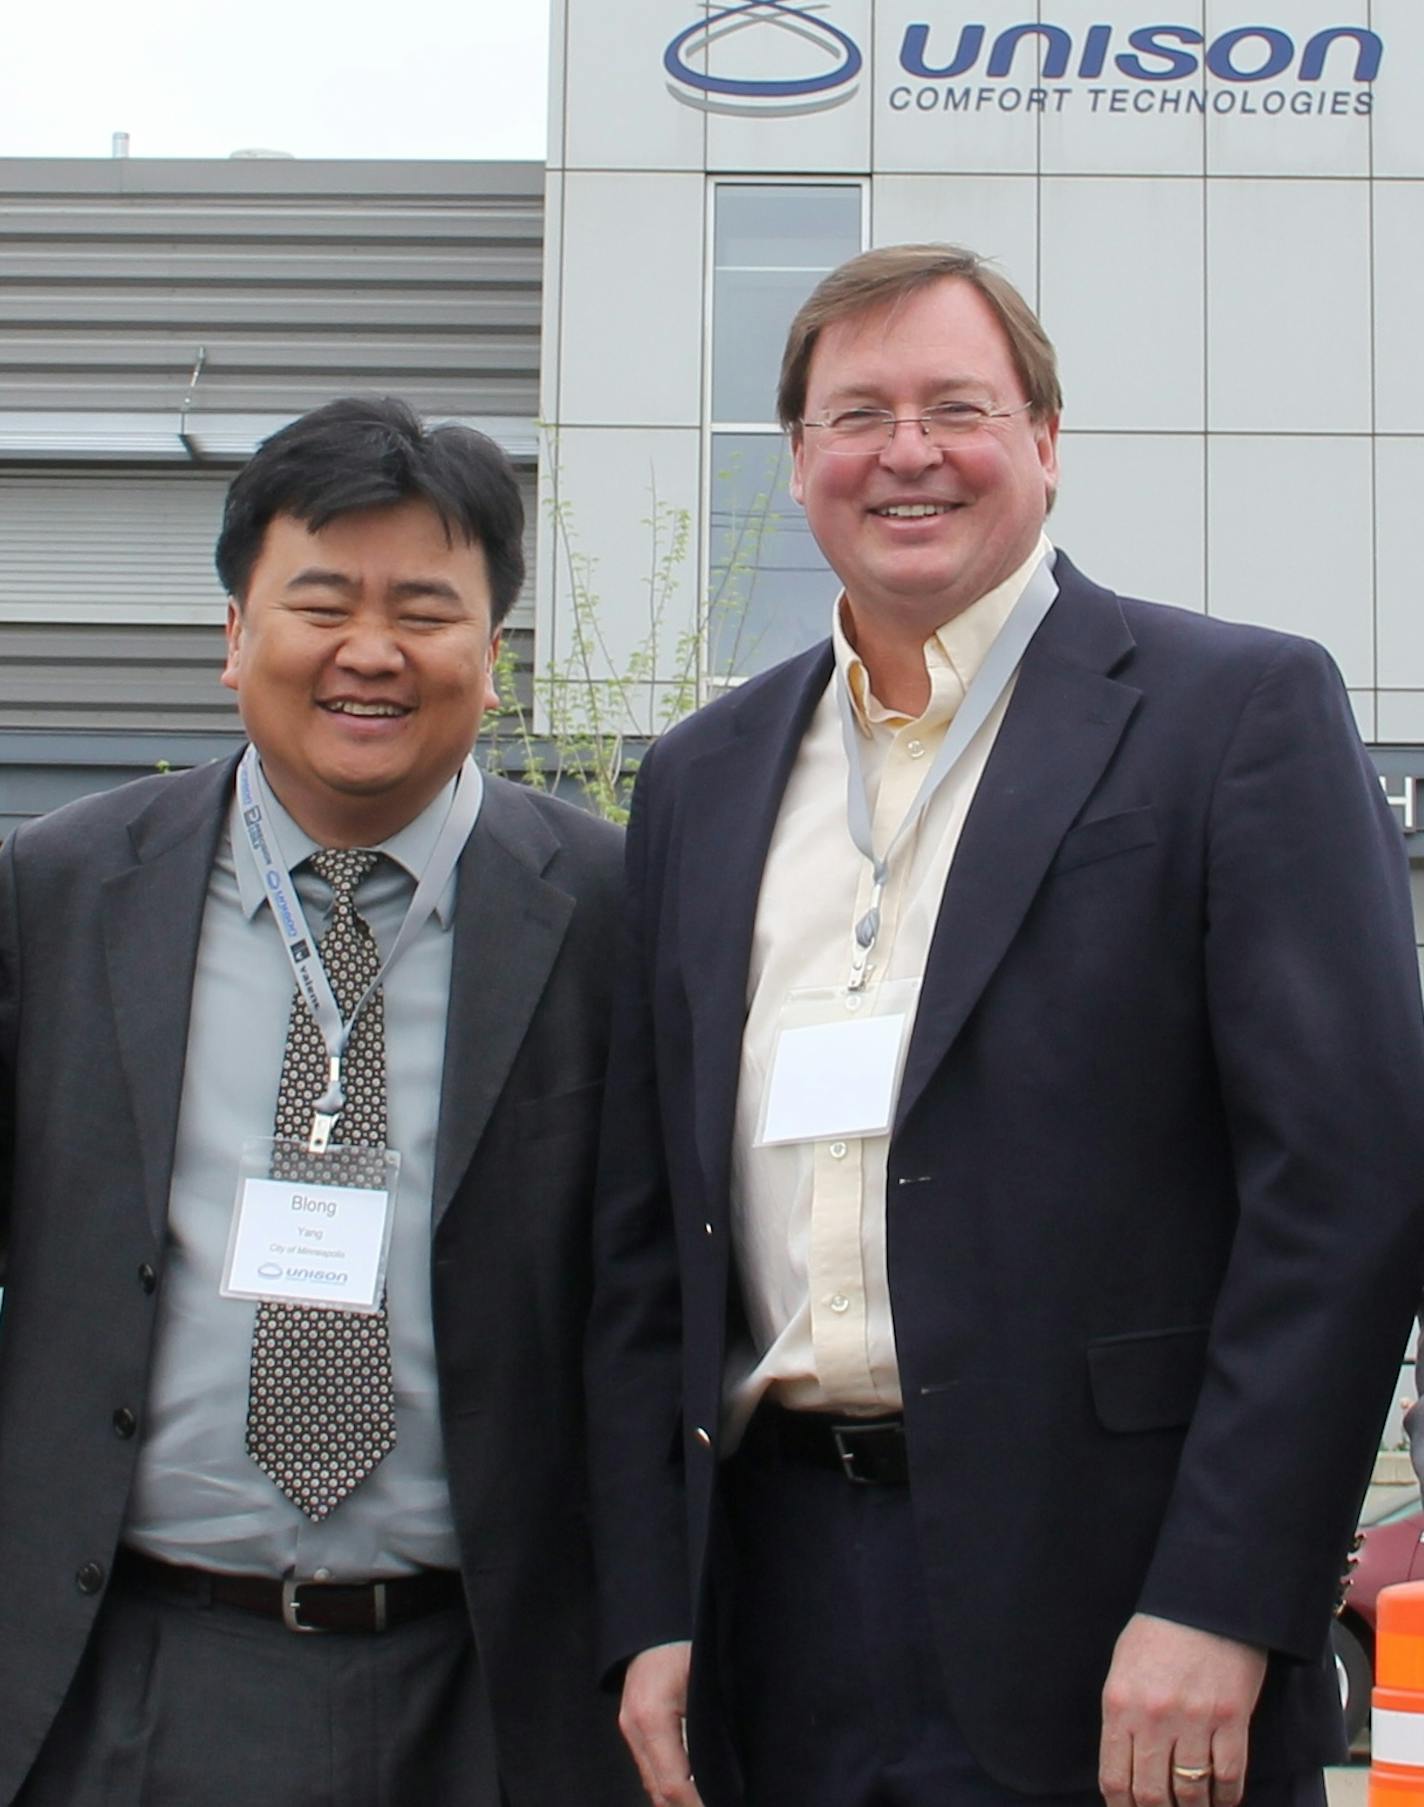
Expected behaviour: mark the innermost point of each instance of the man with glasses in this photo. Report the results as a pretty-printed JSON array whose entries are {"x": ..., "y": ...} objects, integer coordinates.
[{"x": 1010, "y": 1211}]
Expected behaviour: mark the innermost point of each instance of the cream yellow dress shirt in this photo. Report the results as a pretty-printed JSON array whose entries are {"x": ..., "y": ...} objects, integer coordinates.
[{"x": 808, "y": 1218}]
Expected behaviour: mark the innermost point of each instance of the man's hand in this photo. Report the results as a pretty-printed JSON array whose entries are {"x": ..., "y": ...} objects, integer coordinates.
[
  {"x": 651, "y": 1719},
  {"x": 1177, "y": 1699}
]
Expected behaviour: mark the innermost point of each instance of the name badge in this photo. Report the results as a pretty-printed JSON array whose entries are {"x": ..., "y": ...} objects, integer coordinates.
[
  {"x": 837, "y": 1062},
  {"x": 321, "y": 1237}
]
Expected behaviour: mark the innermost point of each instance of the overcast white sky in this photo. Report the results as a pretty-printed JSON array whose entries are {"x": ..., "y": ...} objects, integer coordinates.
[{"x": 319, "y": 78}]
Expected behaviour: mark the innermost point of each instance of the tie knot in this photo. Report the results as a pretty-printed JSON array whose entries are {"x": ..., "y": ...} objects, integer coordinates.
[{"x": 343, "y": 868}]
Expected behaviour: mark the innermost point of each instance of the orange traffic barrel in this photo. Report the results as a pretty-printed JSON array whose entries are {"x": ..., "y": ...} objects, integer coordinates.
[{"x": 1397, "y": 1723}]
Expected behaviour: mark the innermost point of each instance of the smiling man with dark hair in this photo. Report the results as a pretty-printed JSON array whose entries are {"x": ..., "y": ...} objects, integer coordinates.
[{"x": 300, "y": 1064}]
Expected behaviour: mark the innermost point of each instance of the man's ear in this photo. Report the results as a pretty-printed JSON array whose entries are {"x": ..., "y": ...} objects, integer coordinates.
[
  {"x": 234, "y": 643},
  {"x": 1046, "y": 434},
  {"x": 798, "y": 459},
  {"x": 491, "y": 696}
]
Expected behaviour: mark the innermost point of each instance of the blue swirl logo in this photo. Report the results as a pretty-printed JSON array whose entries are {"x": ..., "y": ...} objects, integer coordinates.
[{"x": 831, "y": 60}]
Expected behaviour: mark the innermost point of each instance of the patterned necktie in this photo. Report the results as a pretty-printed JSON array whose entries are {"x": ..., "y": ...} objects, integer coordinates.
[{"x": 321, "y": 1406}]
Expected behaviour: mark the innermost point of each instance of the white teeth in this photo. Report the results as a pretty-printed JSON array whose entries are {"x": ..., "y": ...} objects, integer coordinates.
[
  {"x": 910, "y": 511},
  {"x": 365, "y": 708}
]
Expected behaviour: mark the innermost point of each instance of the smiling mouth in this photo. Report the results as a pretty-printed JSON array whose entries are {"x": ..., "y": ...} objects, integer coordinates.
[
  {"x": 345, "y": 706},
  {"x": 913, "y": 511}
]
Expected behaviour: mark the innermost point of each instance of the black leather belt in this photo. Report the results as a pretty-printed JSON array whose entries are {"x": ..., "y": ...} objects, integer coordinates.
[
  {"x": 300, "y": 1605},
  {"x": 867, "y": 1451}
]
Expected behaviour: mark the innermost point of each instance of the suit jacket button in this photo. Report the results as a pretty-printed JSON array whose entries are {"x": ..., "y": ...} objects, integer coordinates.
[
  {"x": 125, "y": 1424},
  {"x": 147, "y": 1279},
  {"x": 90, "y": 1577},
  {"x": 702, "y": 1437}
]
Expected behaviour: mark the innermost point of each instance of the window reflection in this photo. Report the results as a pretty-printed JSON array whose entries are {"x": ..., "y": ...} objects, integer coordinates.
[
  {"x": 771, "y": 245},
  {"x": 770, "y": 591}
]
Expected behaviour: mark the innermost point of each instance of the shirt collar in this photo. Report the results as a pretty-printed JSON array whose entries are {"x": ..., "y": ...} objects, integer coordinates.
[
  {"x": 953, "y": 653},
  {"x": 410, "y": 848}
]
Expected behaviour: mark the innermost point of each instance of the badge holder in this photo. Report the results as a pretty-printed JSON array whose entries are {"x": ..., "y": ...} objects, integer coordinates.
[
  {"x": 312, "y": 1228},
  {"x": 837, "y": 1061}
]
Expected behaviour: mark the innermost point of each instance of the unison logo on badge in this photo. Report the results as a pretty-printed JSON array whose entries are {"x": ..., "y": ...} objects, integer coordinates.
[{"x": 771, "y": 58}]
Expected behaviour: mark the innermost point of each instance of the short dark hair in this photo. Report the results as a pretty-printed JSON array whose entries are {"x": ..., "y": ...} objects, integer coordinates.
[
  {"x": 367, "y": 452},
  {"x": 890, "y": 273}
]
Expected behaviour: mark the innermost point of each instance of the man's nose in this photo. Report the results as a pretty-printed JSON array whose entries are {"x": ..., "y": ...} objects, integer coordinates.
[
  {"x": 910, "y": 449},
  {"x": 370, "y": 645}
]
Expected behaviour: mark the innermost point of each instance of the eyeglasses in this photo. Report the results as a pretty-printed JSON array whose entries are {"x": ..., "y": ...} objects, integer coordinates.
[{"x": 865, "y": 432}]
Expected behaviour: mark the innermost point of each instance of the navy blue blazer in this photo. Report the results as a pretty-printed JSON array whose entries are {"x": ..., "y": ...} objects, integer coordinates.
[{"x": 1154, "y": 1213}]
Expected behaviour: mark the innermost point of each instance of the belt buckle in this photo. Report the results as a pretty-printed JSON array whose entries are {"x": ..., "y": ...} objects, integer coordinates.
[
  {"x": 843, "y": 1436},
  {"x": 291, "y": 1607}
]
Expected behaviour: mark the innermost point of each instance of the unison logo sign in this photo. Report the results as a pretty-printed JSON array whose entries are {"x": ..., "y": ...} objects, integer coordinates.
[
  {"x": 1251, "y": 69},
  {"x": 801, "y": 64},
  {"x": 774, "y": 57}
]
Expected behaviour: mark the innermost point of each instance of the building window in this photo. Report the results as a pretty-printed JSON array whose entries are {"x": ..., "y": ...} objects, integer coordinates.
[{"x": 768, "y": 589}]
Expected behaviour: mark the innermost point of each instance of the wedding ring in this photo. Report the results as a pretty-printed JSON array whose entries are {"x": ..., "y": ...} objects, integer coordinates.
[{"x": 1191, "y": 1772}]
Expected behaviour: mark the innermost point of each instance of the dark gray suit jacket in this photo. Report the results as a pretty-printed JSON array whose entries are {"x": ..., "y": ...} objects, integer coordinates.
[{"x": 100, "y": 909}]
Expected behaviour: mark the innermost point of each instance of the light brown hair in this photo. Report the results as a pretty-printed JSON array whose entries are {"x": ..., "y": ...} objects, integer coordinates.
[{"x": 892, "y": 272}]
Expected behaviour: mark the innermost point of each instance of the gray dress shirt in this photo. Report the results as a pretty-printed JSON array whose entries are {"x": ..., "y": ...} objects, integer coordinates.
[{"x": 198, "y": 1498}]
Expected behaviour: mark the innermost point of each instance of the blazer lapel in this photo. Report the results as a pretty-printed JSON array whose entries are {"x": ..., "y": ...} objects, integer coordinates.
[
  {"x": 509, "y": 926},
  {"x": 1061, "y": 729},
  {"x": 153, "y": 916},
  {"x": 733, "y": 794}
]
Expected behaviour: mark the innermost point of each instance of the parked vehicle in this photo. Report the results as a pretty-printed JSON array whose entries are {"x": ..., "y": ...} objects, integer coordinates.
[{"x": 1391, "y": 1548}]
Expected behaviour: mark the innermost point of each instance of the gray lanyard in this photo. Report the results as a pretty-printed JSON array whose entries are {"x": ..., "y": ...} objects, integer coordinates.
[
  {"x": 313, "y": 986},
  {"x": 990, "y": 682}
]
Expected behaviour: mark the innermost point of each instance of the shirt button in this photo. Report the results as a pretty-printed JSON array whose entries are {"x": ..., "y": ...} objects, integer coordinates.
[
  {"x": 321, "y": 1574},
  {"x": 147, "y": 1279},
  {"x": 915, "y": 748},
  {"x": 854, "y": 1000},
  {"x": 89, "y": 1578},
  {"x": 839, "y": 1303},
  {"x": 125, "y": 1424},
  {"x": 837, "y": 1151}
]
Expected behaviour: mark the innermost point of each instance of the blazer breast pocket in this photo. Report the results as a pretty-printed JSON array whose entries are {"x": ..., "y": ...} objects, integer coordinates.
[
  {"x": 1104, "y": 837},
  {"x": 1149, "y": 1380},
  {"x": 574, "y": 1111}
]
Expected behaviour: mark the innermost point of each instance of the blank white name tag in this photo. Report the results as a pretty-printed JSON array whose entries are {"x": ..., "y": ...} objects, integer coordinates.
[
  {"x": 836, "y": 1066},
  {"x": 306, "y": 1242}
]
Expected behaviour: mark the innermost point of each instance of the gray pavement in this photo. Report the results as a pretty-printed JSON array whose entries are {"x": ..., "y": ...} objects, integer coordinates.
[{"x": 1348, "y": 1787}]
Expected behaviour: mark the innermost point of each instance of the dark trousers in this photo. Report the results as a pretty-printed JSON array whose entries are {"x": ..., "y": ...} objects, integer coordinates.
[
  {"x": 178, "y": 1704},
  {"x": 837, "y": 1694}
]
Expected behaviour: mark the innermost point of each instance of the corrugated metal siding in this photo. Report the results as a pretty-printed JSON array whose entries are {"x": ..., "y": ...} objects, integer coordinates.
[
  {"x": 146, "y": 678},
  {"x": 303, "y": 281},
  {"x": 130, "y": 548}
]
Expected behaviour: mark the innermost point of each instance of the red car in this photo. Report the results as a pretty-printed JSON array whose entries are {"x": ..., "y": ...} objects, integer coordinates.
[{"x": 1391, "y": 1549}]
